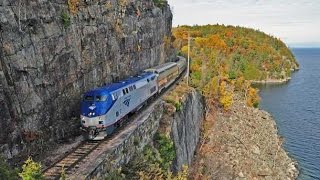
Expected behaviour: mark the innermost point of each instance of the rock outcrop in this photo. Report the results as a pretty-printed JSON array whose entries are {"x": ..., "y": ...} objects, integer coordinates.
[
  {"x": 185, "y": 128},
  {"x": 51, "y": 52},
  {"x": 242, "y": 143}
]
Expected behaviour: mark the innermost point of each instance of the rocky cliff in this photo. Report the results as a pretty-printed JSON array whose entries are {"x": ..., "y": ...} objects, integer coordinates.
[
  {"x": 53, "y": 51},
  {"x": 185, "y": 126}
]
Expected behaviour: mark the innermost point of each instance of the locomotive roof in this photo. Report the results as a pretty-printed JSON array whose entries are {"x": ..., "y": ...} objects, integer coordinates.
[{"x": 118, "y": 85}]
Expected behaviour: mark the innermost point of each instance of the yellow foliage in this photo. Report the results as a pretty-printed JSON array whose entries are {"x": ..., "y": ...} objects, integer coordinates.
[
  {"x": 212, "y": 88},
  {"x": 253, "y": 98},
  {"x": 184, "y": 50},
  {"x": 226, "y": 100},
  {"x": 226, "y": 97},
  {"x": 240, "y": 83},
  {"x": 31, "y": 170},
  {"x": 154, "y": 172},
  {"x": 167, "y": 42},
  {"x": 73, "y": 6},
  {"x": 182, "y": 175}
]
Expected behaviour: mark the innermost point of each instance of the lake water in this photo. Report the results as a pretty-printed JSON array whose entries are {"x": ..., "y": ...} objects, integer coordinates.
[{"x": 295, "y": 107}]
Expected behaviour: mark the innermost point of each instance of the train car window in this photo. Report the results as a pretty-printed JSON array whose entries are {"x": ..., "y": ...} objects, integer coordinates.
[
  {"x": 88, "y": 98},
  {"x": 124, "y": 92},
  {"x": 153, "y": 77},
  {"x": 134, "y": 86},
  {"x": 130, "y": 88},
  {"x": 127, "y": 90},
  {"x": 148, "y": 80}
]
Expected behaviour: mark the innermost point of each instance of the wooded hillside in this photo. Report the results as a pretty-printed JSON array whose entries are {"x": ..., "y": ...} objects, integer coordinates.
[{"x": 226, "y": 55}]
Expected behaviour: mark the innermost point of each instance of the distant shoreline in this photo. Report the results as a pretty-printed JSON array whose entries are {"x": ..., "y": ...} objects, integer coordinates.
[
  {"x": 273, "y": 81},
  {"x": 270, "y": 81}
]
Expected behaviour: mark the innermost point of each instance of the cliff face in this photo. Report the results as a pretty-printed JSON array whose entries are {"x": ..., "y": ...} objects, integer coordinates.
[
  {"x": 185, "y": 129},
  {"x": 52, "y": 52}
]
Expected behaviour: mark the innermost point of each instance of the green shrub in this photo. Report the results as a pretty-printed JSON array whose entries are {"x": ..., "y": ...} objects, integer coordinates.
[
  {"x": 66, "y": 19},
  {"x": 6, "y": 172},
  {"x": 166, "y": 150},
  {"x": 116, "y": 175},
  {"x": 232, "y": 74},
  {"x": 31, "y": 170},
  {"x": 160, "y": 3},
  {"x": 178, "y": 106}
]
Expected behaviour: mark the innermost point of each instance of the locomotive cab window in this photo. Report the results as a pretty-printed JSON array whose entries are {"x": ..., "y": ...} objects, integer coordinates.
[
  {"x": 101, "y": 98},
  {"x": 88, "y": 98}
]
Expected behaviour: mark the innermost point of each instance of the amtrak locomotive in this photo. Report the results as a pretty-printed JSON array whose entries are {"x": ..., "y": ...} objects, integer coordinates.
[{"x": 105, "y": 108}]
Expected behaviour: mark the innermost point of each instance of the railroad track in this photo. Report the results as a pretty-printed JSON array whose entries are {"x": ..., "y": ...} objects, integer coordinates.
[
  {"x": 71, "y": 160},
  {"x": 74, "y": 158}
]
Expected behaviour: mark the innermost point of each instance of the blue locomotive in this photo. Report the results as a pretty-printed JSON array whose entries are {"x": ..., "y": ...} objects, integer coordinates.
[{"x": 105, "y": 108}]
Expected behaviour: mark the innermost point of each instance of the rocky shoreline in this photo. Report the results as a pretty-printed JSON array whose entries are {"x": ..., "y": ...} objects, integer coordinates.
[
  {"x": 271, "y": 81},
  {"x": 242, "y": 143}
]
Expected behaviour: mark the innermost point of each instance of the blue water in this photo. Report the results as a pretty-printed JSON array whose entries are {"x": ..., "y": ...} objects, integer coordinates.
[{"x": 295, "y": 107}]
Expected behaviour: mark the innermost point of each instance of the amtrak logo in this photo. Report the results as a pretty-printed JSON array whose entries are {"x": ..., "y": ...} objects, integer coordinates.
[
  {"x": 92, "y": 107},
  {"x": 126, "y": 102}
]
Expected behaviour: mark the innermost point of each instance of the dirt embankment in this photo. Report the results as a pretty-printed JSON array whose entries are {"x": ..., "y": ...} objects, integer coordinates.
[{"x": 241, "y": 144}]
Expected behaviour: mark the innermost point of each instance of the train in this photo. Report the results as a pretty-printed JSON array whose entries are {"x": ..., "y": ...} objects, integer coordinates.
[{"x": 106, "y": 108}]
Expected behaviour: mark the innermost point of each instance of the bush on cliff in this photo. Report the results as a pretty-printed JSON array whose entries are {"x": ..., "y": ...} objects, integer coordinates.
[
  {"x": 155, "y": 161},
  {"x": 31, "y": 170},
  {"x": 6, "y": 172}
]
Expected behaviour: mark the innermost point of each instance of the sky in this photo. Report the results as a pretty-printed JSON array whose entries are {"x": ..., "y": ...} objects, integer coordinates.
[{"x": 296, "y": 22}]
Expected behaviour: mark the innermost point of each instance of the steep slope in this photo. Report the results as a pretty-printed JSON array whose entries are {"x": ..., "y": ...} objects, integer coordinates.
[{"x": 53, "y": 51}]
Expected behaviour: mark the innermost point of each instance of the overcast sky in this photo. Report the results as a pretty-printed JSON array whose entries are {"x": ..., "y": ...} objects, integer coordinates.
[{"x": 296, "y": 22}]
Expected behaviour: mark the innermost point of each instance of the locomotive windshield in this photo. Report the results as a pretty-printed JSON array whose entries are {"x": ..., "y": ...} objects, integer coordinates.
[
  {"x": 88, "y": 98},
  {"x": 101, "y": 98}
]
